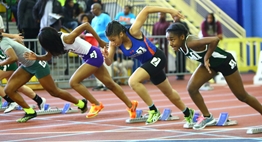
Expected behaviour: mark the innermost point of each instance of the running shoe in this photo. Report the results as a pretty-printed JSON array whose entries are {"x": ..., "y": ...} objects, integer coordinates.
[
  {"x": 84, "y": 109},
  {"x": 153, "y": 116},
  {"x": 42, "y": 105},
  {"x": 132, "y": 110},
  {"x": 11, "y": 106},
  {"x": 202, "y": 122},
  {"x": 189, "y": 120},
  {"x": 26, "y": 117},
  {"x": 94, "y": 110}
]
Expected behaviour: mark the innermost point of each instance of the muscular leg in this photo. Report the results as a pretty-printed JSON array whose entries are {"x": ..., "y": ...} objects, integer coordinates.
[
  {"x": 27, "y": 91},
  {"x": 84, "y": 71},
  {"x": 171, "y": 94},
  {"x": 4, "y": 74},
  {"x": 235, "y": 83},
  {"x": 103, "y": 75},
  {"x": 135, "y": 82},
  {"x": 19, "y": 78},
  {"x": 49, "y": 85},
  {"x": 199, "y": 77}
]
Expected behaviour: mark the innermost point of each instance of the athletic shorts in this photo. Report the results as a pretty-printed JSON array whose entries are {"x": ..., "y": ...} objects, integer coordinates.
[
  {"x": 9, "y": 67},
  {"x": 94, "y": 57},
  {"x": 155, "y": 67},
  {"x": 40, "y": 69},
  {"x": 228, "y": 67}
]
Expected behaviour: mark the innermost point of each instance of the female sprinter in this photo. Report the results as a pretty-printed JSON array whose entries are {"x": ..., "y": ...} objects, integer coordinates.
[
  {"x": 7, "y": 70},
  {"x": 134, "y": 44},
  {"x": 5, "y": 73},
  {"x": 24, "y": 73},
  {"x": 57, "y": 43},
  {"x": 213, "y": 59}
]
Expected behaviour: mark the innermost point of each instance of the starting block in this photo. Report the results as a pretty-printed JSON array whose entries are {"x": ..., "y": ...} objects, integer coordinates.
[
  {"x": 5, "y": 104},
  {"x": 254, "y": 130},
  {"x": 221, "y": 121},
  {"x": 165, "y": 116},
  {"x": 49, "y": 110}
]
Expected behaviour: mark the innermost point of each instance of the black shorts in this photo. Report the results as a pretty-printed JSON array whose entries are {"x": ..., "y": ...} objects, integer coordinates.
[
  {"x": 155, "y": 66},
  {"x": 228, "y": 67}
]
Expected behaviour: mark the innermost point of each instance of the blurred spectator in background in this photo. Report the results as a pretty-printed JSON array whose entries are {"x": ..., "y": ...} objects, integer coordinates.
[
  {"x": 126, "y": 18},
  {"x": 211, "y": 27},
  {"x": 159, "y": 28},
  {"x": 27, "y": 24},
  {"x": 180, "y": 57},
  {"x": 42, "y": 12},
  {"x": 69, "y": 20},
  {"x": 99, "y": 23},
  {"x": 80, "y": 7},
  {"x": 85, "y": 17},
  {"x": 12, "y": 9},
  {"x": 85, "y": 35},
  {"x": 89, "y": 3}
]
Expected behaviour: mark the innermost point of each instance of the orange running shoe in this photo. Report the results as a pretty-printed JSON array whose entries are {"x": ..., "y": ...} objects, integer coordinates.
[
  {"x": 94, "y": 110},
  {"x": 132, "y": 110}
]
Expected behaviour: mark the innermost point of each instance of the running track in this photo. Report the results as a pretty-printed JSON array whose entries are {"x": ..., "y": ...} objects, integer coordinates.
[{"x": 110, "y": 124}]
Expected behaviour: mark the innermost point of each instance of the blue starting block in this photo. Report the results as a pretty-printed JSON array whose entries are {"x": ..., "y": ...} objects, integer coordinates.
[
  {"x": 139, "y": 113},
  {"x": 5, "y": 104},
  {"x": 65, "y": 108},
  {"x": 48, "y": 110},
  {"x": 223, "y": 120},
  {"x": 196, "y": 115},
  {"x": 165, "y": 116},
  {"x": 46, "y": 107}
]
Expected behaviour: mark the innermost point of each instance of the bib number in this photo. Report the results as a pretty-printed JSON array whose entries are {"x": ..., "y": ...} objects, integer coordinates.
[
  {"x": 93, "y": 54},
  {"x": 155, "y": 61},
  {"x": 42, "y": 63},
  {"x": 232, "y": 63},
  {"x": 5, "y": 67}
]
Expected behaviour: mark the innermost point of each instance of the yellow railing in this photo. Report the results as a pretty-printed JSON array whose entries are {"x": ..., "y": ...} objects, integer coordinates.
[{"x": 247, "y": 52}]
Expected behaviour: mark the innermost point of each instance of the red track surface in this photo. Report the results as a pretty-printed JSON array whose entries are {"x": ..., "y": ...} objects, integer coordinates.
[{"x": 110, "y": 123}]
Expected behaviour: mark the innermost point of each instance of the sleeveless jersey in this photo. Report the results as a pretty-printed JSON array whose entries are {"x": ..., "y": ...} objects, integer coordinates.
[
  {"x": 142, "y": 49},
  {"x": 217, "y": 57},
  {"x": 80, "y": 46}
]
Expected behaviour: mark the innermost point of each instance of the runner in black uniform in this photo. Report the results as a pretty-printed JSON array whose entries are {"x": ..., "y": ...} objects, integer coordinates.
[{"x": 213, "y": 59}]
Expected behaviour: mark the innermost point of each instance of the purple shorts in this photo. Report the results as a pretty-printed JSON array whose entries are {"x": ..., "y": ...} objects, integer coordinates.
[{"x": 94, "y": 57}]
